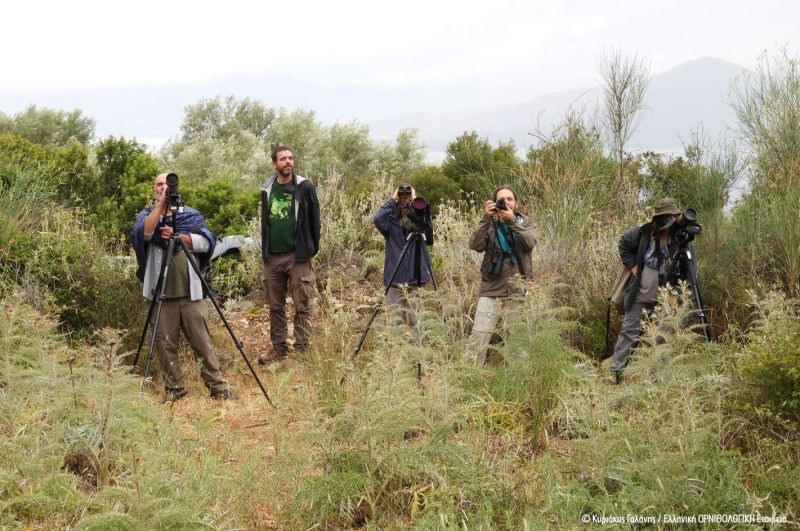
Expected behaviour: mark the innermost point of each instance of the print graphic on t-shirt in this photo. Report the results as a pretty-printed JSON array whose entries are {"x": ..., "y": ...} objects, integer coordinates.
[
  {"x": 280, "y": 207},
  {"x": 651, "y": 259}
]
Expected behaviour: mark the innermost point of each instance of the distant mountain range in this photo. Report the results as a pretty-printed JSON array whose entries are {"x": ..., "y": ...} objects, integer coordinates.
[
  {"x": 686, "y": 98},
  {"x": 690, "y": 97}
]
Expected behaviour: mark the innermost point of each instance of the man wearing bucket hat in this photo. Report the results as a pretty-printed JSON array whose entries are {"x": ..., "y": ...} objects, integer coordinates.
[{"x": 645, "y": 251}]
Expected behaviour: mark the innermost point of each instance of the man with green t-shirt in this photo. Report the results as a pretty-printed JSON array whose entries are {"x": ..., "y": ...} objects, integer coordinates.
[{"x": 290, "y": 228}]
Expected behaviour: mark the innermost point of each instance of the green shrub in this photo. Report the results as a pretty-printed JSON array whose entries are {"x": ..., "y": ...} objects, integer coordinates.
[
  {"x": 651, "y": 445},
  {"x": 91, "y": 288},
  {"x": 226, "y": 209},
  {"x": 398, "y": 450},
  {"x": 769, "y": 362},
  {"x": 82, "y": 443},
  {"x": 25, "y": 198},
  {"x": 432, "y": 184},
  {"x": 65, "y": 169}
]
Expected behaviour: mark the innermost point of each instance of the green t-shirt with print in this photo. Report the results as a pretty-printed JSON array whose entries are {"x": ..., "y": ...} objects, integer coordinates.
[{"x": 281, "y": 219}]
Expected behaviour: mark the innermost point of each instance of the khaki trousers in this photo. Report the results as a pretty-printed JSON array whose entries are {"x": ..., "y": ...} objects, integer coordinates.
[
  {"x": 191, "y": 317},
  {"x": 487, "y": 315},
  {"x": 281, "y": 275}
]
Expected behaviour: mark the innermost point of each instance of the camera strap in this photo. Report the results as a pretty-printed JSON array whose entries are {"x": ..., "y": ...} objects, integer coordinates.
[{"x": 507, "y": 240}]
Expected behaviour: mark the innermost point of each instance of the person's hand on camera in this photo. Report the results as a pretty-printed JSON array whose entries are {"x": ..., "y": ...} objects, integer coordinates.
[
  {"x": 163, "y": 200},
  {"x": 506, "y": 216},
  {"x": 166, "y": 232}
]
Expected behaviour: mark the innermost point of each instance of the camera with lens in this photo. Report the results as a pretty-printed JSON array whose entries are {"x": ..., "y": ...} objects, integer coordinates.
[
  {"x": 686, "y": 227},
  {"x": 418, "y": 214},
  {"x": 500, "y": 204},
  {"x": 173, "y": 193}
]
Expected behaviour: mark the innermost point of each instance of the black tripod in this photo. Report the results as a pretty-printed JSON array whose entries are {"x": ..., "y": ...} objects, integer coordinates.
[
  {"x": 158, "y": 299},
  {"x": 418, "y": 238},
  {"x": 682, "y": 266}
]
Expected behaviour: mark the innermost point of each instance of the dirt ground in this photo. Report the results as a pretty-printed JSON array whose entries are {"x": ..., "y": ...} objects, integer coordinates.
[{"x": 248, "y": 425}]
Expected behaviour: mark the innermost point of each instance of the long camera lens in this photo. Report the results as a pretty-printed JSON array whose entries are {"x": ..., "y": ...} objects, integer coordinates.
[
  {"x": 419, "y": 204},
  {"x": 173, "y": 194},
  {"x": 686, "y": 227},
  {"x": 172, "y": 183},
  {"x": 687, "y": 216}
]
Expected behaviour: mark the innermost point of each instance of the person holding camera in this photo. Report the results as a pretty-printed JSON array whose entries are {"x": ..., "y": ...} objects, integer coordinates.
[
  {"x": 645, "y": 251},
  {"x": 183, "y": 307},
  {"x": 396, "y": 220},
  {"x": 507, "y": 238},
  {"x": 290, "y": 230}
]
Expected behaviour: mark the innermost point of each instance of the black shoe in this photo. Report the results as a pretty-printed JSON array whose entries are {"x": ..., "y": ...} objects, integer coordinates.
[
  {"x": 174, "y": 394},
  {"x": 225, "y": 394}
]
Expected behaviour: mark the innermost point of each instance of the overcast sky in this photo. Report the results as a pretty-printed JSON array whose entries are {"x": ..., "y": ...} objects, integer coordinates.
[{"x": 503, "y": 44}]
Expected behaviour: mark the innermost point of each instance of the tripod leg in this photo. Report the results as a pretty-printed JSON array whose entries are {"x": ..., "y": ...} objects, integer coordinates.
[
  {"x": 144, "y": 331},
  {"x": 608, "y": 329},
  {"x": 378, "y": 307},
  {"x": 161, "y": 285},
  {"x": 363, "y": 337},
  {"x": 430, "y": 267},
  {"x": 157, "y": 289},
  {"x": 698, "y": 300},
  {"x": 210, "y": 294}
]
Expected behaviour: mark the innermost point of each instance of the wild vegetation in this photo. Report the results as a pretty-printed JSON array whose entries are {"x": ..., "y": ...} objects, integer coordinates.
[{"x": 416, "y": 435}]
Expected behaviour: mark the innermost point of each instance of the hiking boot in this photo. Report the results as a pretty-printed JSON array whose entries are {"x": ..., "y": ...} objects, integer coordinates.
[
  {"x": 224, "y": 394},
  {"x": 272, "y": 357},
  {"x": 174, "y": 394}
]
